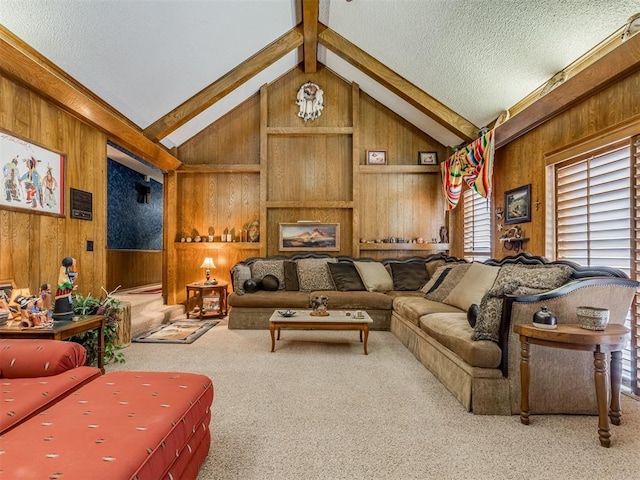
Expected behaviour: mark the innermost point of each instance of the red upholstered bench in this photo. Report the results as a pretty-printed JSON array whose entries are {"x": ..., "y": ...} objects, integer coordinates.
[
  {"x": 122, "y": 425},
  {"x": 35, "y": 374}
]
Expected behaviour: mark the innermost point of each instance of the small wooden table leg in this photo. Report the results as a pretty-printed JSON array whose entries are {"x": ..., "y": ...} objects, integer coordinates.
[
  {"x": 361, "y": 335},
  {"x": 272, "y": 329},
  {"x": 101, "y": 347},
  {"x": 602, "y": 395},
  {"x": 366, "y": 337},
  {"x": 616, "y": 379},
  {"x": 524, "y": 380}
]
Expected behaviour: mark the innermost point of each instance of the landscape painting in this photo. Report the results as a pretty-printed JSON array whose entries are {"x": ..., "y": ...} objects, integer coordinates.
[{"x": 308, "y": 236}]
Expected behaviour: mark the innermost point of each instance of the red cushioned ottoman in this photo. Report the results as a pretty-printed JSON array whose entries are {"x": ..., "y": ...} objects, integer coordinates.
[{"x": 142, "y": 425}]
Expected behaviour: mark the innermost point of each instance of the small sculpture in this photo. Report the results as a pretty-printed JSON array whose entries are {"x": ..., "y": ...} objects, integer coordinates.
[
  {"x": 444, "y": 234},
  {"x": 319, "y": 306},
  {"x": 63, "y": 306},
  {"x": 310, "y": 99}
]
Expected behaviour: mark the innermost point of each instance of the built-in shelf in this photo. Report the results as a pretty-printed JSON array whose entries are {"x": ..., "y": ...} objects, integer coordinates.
[
  {"x": 297, "y": 131},
  {"x": 404, "y": 246},
  {"x": 218, "y": 168},
  {"x": 218, "y": 245},
  {"x": 385, "y": 169},
  {"x": 309, "y": 204}
]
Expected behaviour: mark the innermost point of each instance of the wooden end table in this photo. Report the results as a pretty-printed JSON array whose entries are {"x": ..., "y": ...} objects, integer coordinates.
[
  {"x": 62, "y": 330},
  {"x": 573, "y": 337},
  {"x": 200, "y": 289}
]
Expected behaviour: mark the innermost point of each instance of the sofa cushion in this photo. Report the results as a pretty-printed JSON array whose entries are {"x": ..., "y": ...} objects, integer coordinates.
[
  {"x": 262, "y": 299},
  {"x": 375, "y": 276},
  {"x": 240, "y": 274},
  {"x": 436, "y": 278},
  {"x": 476, "y": 282},
  {"x": 313, "y": 274},
  {"x": 454, "y": 332},
  {"x": 39, "y": 358},
  {"x": 356, "y": 300},
  {"x": 270, "y": 283},
  {"x": 22, "y": 398},
  {"x": 412, "y": 308},
  {"x": 345, "y": 276},
  {"x": 291, "y": 282},
  {"x": 260, "y": 268},
  {"x": 409, "y": 276},
  {"x": 515, "y": 279},
  {"x": 453, "y": 276}
]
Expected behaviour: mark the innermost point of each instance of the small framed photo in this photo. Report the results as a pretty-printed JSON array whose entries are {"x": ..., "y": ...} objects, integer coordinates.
[
  {"x": 210, "y": 304},
  {"x": 517, "y": 205},
  {"x": 427, "y": 158},
  {"x": 376, "y": 157}
]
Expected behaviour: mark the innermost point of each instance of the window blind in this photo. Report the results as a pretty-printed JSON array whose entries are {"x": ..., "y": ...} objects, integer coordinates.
[
  {"x": 477, "y": 226},
  {"x": 594, "y": 220}
]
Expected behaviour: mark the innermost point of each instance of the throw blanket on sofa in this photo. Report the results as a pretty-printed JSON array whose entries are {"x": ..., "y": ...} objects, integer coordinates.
[{"x": 474, "y": 165}]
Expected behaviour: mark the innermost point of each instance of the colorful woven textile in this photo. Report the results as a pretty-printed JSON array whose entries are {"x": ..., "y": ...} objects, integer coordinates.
[{"x": 474, "y": 165}]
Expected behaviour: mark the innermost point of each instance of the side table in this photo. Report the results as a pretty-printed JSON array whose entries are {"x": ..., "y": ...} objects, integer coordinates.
[
  {"x": 573, "y": 337},
  {"x": 200, "y": 289}
]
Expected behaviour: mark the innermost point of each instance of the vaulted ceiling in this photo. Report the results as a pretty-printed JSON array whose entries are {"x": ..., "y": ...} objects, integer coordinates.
[{"x": 172, "y": 67}]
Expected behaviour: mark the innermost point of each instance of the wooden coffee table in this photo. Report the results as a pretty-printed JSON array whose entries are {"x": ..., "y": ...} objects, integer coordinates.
[
  {"x": 336, "y": 320},
  {"x": 63, "y": 329}
]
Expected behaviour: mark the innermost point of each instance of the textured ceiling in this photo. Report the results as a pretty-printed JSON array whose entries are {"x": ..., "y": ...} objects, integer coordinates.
[{"x": 478, "y": 57}]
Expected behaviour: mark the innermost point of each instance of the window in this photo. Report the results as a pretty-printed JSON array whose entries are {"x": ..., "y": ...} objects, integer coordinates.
[
  {"x": 594, "y": 220},
  {"x": 477, "y": 226}
]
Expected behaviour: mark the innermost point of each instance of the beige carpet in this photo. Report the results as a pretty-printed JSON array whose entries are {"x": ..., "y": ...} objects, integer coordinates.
[{"x": 318, "y": 408}]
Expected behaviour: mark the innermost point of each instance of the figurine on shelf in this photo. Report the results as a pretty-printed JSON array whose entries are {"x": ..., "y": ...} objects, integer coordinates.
[
  {"x": 444, "y": 234},
  {"x": 63, "y": 306}
]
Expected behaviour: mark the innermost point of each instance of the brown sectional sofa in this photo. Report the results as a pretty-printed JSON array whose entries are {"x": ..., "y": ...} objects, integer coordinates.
[
  {"x": 479, "y": 365},
  {"x": 61, "y": 419}
]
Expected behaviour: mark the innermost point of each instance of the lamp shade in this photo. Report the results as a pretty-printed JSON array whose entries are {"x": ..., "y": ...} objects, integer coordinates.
[{"x": 208, "y": 263}]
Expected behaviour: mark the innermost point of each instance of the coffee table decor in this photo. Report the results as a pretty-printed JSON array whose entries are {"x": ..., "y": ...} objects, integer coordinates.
[{"x": 319, "y": 306}]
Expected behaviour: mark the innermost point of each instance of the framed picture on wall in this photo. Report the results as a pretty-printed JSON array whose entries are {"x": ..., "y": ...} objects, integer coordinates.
[
  {"x": 427, "y": 158},
  {"x": 309, "y": 236},
  {"x": 32, "y": 176},
  {"x": 517, "y": 205},
  {"x": 376, "y": 157}
]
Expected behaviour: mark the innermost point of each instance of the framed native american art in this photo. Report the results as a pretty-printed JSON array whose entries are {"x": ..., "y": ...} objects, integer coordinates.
[
  {"x": 309, "y": 236},
  {"x": 427, "y": 158},
  {"x": 32, "y": 176},
  {"x": 517, "y": 205}
]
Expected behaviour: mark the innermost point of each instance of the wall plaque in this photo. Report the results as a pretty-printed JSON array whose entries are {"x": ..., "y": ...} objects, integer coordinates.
[{"x": 81, "y": 204}]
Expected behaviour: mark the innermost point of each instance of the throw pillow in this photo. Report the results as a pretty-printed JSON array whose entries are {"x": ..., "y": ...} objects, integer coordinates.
[
  {"x": 345, "y": 276},
  {"x": 252, "y": 285},
  {"x": 409, "y": 276},
  {"x": 240, "y": 273},
  {"x": 472, "y": 287},
  {"x": 436, "y": 278},
  {"x": 291, "y": 282},
  {"x": 453, "y": 277},
  {"x": 270, "y": 283},
  {"x": 375, "y": 276},
  {"x": 472, "y": 314},
  {"x": 260, "y": 268},
  {"x": 313, "y": 274},
  {"x": 519, "y": 280}
]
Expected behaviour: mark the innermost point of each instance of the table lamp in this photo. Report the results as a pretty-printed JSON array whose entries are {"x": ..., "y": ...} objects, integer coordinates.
[{"x": 208, "y": 264}]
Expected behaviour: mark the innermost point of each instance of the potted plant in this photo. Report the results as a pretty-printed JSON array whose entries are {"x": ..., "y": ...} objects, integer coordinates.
[{"x": 110, "y": 308}]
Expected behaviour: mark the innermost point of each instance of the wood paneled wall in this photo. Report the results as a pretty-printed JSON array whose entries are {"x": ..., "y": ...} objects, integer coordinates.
[
  {"x": 523, "y": 161},
  {"x": 33, "y": 245},
  {"x": 133, "y": 268}
]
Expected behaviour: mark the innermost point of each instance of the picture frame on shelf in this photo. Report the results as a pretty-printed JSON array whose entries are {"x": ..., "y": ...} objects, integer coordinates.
[
  {"x": 376, "y": 157},
  {"x": 309, "y": 236},
  {"x": 33, "y": 178},
  {"x": 210, "y": 304},
  {"x": 517, "y": 205},
  {"x": 427, "y": 158}
]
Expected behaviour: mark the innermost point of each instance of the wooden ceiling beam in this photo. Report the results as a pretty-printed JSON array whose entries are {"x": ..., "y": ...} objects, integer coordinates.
[
  {"x": 612, "y": 67},
  {"x": 209, "y": 95},
  {"x": 310, "y": 30},
  {"x": 23, "y": 64},
  {"x": 397, "y": 84}
]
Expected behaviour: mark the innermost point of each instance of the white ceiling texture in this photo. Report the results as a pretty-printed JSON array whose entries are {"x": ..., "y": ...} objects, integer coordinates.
[{"x": 477, "y": 57}]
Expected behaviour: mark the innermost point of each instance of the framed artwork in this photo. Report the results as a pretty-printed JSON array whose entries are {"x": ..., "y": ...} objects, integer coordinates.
[
  {"x": 309, "y": 236},
  {"x": 7, "y": 288},
  {"x": 376, "y": 157},
  {"x": 517, "y": 205},
  {"x": 427, "y": 158},
  {"x": 210, "y": 304},
  {"x": 32, "y": 176}
]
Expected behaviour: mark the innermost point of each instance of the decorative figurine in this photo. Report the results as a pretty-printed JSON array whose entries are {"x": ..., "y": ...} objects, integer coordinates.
[
  {"x": 319, "y": 306},
  {"x": 310, "y": 100},
  {"x": 63, "y": 306}
]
